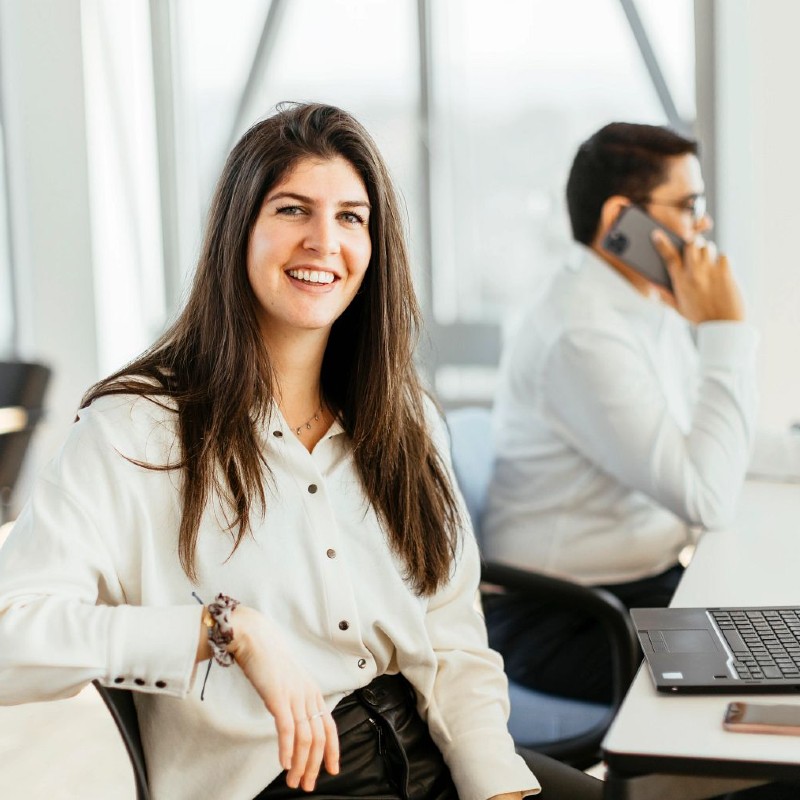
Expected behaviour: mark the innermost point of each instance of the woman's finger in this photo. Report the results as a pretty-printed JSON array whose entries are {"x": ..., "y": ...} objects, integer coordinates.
[
  {"x": 284, "y": 724},
  {"x": 302, "y": 746},
  {"x": 316, "y": 752},
  {"x": 331, "y": 744}
]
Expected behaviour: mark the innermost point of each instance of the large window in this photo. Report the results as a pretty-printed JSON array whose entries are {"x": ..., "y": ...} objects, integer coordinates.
[
  {"x": 233, "y": 68},
  {"x": 516, "y": 86},
  {"x": 477, "y": 106},
  {"x": 123, "y": 179}
]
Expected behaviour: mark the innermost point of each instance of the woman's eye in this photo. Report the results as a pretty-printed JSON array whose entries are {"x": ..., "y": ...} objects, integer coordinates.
[
  {"x": 353, "y": 218},
  {"x": 290, "y": 211}
]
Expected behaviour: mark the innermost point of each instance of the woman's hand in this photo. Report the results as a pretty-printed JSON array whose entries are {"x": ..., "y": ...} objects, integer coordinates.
[
  {"x": 306, "y": 731},
  {"x": 702, "y": 282},
  {"x": 507, "y": 796}
]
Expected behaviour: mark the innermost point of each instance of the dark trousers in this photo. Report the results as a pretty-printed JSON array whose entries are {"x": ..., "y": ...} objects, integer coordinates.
[
  {"x": 387, "y": 754},
  {"x": 564, "y": 652}
]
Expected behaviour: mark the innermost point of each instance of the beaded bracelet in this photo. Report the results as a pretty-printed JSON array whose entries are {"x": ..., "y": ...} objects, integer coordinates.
[
  {"x": 217, "y": 619},
  {"x": 220, "y": 635}
]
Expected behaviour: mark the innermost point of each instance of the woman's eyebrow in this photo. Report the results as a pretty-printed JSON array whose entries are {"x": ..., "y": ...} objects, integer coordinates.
[
  {"x": 309, "y": 200},
  {"x": 356, "y": 204}
]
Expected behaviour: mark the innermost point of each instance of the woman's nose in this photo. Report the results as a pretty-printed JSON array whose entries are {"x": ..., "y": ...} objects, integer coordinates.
[{"x": 322, "y": 237}]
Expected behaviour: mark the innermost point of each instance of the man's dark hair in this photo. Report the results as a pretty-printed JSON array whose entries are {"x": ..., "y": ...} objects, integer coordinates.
[{"x": 622, "y": 158}]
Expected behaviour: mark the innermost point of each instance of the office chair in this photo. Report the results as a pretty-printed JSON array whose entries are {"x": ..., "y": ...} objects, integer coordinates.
[
  {"x": 120, "y": 703},
  {"x": 22, "y": 390},
  {"x": 566, "y": 729}
]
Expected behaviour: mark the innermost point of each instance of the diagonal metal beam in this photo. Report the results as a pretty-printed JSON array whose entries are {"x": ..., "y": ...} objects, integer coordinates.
[
  {"x": 652, "y": 65},
  {"x": 258, "y": 69}
]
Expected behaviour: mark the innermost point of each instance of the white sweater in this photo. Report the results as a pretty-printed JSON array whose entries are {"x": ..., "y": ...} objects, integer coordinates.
[{"x": 91, "y": 588}]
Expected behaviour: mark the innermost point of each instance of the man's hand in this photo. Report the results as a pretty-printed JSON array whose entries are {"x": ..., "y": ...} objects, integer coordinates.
[{"x": 703, "y": 284}]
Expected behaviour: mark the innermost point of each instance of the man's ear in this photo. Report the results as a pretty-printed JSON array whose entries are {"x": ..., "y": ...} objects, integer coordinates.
[{"x": 609, "y": 213}]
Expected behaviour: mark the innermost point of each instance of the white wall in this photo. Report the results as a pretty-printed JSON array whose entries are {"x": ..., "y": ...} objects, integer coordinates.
[
  {"x": 43, "y": 113},
  {"x": 758, "y": 169}
]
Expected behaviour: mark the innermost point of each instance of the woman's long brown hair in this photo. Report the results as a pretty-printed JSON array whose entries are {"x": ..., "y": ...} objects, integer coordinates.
[{"x": 212, "y": 363}]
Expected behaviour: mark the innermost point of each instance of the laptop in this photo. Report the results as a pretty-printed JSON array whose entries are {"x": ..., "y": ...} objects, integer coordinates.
[{"x": 731, "y": 650}]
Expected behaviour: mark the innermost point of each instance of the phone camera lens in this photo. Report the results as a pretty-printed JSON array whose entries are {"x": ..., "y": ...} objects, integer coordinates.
[{"x": 617, "y": 243}]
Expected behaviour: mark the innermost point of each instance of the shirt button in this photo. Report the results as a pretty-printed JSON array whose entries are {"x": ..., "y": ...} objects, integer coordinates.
[
  {"x": 161, "y": 684},
  {"x": 139, "y": 681},
  {"x": 119, "y": 679},
  {"x": 331, "y": 553},
  {"x": 362, "y": 662},
  {"x": 344, "y": 625},
  {"x": 312, "y": 488},
  {"x": 277, "y": 434}
]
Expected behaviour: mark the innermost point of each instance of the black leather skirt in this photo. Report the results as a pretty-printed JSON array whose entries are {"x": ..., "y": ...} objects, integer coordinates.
[{"x": 386, "y": 751}]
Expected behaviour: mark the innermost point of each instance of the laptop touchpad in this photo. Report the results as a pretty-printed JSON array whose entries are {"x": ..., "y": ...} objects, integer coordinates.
[{"x": 689, "y": 641}]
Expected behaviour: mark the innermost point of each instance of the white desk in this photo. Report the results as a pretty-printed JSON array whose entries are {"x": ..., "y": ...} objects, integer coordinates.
[{"x": 756, "y": 563}]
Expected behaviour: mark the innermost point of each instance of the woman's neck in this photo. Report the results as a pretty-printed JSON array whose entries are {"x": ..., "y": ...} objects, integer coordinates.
[{"x": 297, "y": 366}]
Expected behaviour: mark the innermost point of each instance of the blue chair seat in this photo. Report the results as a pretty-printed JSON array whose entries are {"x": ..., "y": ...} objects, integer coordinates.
[
  {"x": 563, "y": 728},
  {"x": 539, "y": 718}
]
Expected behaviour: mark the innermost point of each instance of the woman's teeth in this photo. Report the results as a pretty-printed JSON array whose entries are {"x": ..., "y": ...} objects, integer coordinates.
[{"x": 311, "y": 276}]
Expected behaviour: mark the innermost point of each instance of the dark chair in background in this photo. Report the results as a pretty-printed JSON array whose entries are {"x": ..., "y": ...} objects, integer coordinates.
[
  {"x": 123, "y": 710},
  {"x": 22, "y": 390},
  {"x": 566, "y": 729}
]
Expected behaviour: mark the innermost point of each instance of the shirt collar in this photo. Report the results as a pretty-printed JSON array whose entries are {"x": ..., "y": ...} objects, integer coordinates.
[{"x": 620, "y": 293}]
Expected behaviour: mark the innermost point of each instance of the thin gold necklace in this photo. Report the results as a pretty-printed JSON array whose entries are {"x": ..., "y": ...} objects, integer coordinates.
[{"x": 307, "y": 424}]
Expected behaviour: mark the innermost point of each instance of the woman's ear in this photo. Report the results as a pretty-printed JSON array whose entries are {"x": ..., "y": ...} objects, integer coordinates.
[{"x": 609, "y": 213}]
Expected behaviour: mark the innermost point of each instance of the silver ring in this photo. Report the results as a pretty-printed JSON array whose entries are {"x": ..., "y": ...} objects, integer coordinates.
[{"x": 318, "y": 714}]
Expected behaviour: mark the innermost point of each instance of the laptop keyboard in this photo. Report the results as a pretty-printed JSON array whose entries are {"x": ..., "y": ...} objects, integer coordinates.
[{"x": 765, "y": 642}]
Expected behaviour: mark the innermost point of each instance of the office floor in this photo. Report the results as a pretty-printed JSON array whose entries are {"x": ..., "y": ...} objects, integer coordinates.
[{"x": 63, "y": 750}]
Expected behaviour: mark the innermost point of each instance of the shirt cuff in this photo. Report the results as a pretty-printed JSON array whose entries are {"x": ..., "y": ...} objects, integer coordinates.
[
  {"x": 725, "y": 343},
  {"x": 511, "y": 774},
  {"x": 153, "y": 649}
]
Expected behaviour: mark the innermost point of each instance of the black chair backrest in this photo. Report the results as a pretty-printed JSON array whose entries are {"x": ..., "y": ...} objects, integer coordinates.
[
  {"x": 120, "y": 703},
  {"x": 22, "y": 385}
]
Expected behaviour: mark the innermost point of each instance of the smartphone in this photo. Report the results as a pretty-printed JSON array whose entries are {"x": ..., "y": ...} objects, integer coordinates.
[
  {"x": 762, "y": 718},
  {"x": 629, "y": 240}
]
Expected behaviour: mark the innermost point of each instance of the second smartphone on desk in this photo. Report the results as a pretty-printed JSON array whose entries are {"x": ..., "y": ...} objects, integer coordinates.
[{"x": 762, "y": 718}]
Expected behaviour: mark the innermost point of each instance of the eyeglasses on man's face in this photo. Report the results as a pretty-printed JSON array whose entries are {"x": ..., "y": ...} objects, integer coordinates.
[{"x": 694, "y": 205}]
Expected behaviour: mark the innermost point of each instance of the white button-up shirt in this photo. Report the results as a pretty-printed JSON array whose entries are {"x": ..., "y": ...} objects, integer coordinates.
[
  {"x": 91, "y": 588},
  {"x": 615, "y": 432}
]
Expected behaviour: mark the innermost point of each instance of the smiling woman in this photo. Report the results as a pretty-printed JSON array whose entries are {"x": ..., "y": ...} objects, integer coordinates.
[
  {"x": 309, "y": 249},
  {"x": 273, "y": 455}
]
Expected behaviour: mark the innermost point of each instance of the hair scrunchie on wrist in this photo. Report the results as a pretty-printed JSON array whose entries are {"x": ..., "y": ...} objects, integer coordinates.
[{"x": 220, "y": 634}]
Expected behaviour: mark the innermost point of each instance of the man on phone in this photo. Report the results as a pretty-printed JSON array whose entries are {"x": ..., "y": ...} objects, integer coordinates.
[{"x": 625, "y": 409}]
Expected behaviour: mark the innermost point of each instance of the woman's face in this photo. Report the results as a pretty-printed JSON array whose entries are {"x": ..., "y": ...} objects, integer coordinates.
[{"x": 310, "y": 247}]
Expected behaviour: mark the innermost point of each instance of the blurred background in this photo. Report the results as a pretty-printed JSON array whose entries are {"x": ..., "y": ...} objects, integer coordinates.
[{"x": 116, "y": 117}]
